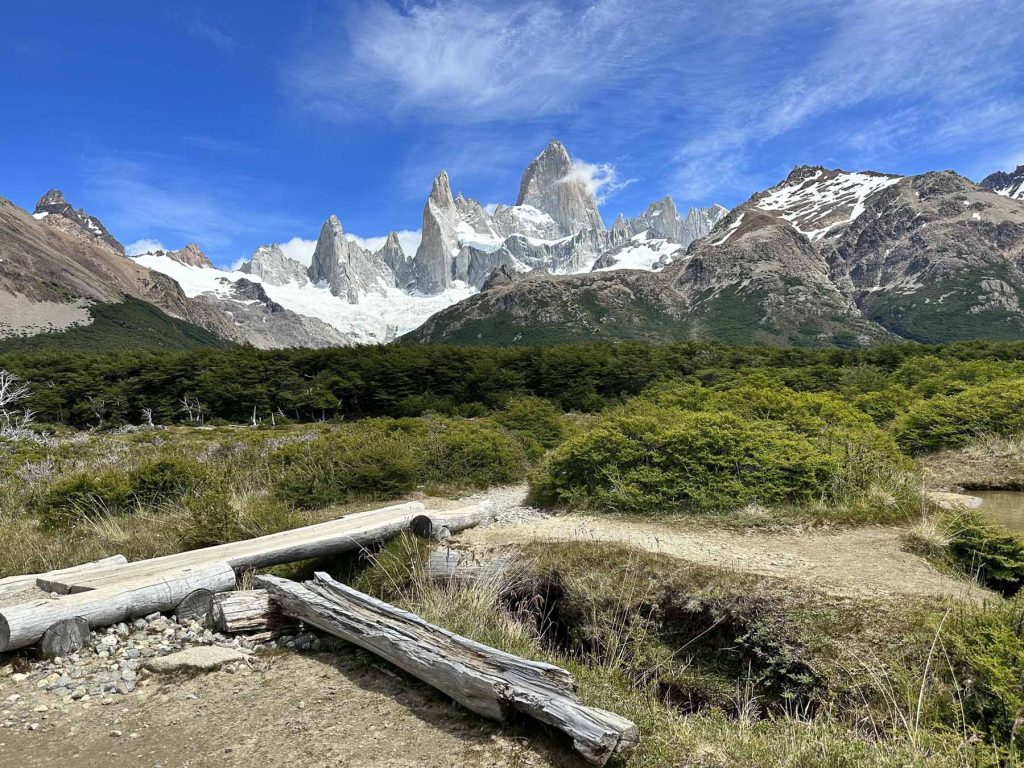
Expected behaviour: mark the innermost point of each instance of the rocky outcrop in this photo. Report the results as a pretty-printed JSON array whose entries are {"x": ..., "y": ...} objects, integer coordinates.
[
  {"x": 549, "y": 185},
  {"x": 392, "y": 254},
  {"x": 1006, "y": 184},
  {"x": 191, "y": 255},
  {"x": 348, "y": 269},
  {"x": 56, "y": 211},
  {"x": 271, "y": 266}
]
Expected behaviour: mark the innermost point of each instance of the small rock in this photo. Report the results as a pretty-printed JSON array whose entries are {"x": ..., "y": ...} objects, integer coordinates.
[
  {"x": 201, "y": 659},
  {"x": 79, "y": 693},
  {"x": 116, "y": 734},
  {"x": 18, "y": 677}
]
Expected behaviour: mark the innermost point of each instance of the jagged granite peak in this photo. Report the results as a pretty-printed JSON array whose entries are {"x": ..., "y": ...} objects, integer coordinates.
[
  {"x": 191, "y": 255},
  {"x": 392, "y": 254},
  {"x": 348, "y": 269},
  {"x": 432, "y": 264},
  {"x": 549, "y": 185},
  {"x": 270, "y": 264},
  {"x": 663, "y": 221},
  {"x": 1006, "y": 184},
  {"x": 441, "y": 190},
  {"x": 700, "y": 221},
  {"x": 56, "y": 211}
]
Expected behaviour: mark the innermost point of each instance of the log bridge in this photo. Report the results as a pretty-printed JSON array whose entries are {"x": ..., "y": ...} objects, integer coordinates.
[{"x": 113, "y": 590}]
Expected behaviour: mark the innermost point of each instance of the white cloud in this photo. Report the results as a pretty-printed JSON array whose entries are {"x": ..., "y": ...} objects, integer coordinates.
[
  {"x": 465, "y": 62},
  {"x": 881, "y": 81},
  {"x": 211, "y": 33},
  {"x": 300, "y": 249},
  {"x": 145, "y": 245},
  {"x": 602, "y": 179}
]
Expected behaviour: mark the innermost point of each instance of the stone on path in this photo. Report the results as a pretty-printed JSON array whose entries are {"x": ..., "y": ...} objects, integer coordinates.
[{"x": 198, "y": 659}]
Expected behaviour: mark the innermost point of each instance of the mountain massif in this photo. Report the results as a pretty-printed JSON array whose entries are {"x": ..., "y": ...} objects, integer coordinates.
[{"x": 824, "y": 257}]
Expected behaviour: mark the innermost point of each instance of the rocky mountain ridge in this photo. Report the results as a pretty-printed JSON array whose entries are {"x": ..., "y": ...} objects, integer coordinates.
[
  {"x": 1007, "y": 184},
  {"x": 56, "y": 211},
  {"x": 823, "y": 257}
]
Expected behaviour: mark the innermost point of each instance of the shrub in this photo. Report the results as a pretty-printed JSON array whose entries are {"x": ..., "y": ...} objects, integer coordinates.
[
  {"x": 534, "y": 417},
  {"x": 647, "y": 460},
  {"x": 475, "y": 454},
  {"x": 981, "y": 548},
  {"x": 356, "y": 463},
  {"x": 116, "y": 491},
  {"x": 949, "y": 421},
  {"x": 985, "y": 648}
]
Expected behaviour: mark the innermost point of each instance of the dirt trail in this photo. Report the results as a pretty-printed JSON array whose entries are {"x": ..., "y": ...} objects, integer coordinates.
[
  {"x": 857, "y": 562},
  {"x": 337, "y": 709}
]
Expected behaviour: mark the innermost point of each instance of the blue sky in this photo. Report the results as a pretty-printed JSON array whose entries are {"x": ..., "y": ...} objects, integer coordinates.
[{"x": 234, "y": 124}]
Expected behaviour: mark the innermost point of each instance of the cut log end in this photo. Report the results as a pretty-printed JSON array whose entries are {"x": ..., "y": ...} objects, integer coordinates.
[
  {"x": 195, "y": 606},
  {"x": 64, "y": 637}
]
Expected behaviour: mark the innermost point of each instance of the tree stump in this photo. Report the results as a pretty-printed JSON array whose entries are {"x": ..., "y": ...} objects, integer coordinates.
[{"x": 64, "y": 638}]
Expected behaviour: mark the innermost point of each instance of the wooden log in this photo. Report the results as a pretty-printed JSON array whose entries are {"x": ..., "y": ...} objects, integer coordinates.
[
  {"x": 487, "y": 681},
  {"x": 249, "y": 610},
  {"x": 14, "y": 584},
  {"x": 64, "y": 637},
  {"x": 433, "y": 525},
  {"x": 195, "y": 606},
  {"x": 23, "y": 624},
  {"x": 453, "y": 566}
]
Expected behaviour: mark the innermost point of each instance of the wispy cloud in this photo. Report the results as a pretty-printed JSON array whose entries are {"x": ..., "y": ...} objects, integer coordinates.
[
  {"x": 462, "y": 62},
  {"x": 207, "y": 31},
  {"x": 150, "y": 195},
  {"x": 884, "y": 80},
  {"x": 601, "y": 179}
]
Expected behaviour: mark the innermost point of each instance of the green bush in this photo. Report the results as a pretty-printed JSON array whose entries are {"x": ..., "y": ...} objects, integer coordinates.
[
  {"x": 985, "y": 651},
  {"x": 115, "y": 491},
  {"x": 948, "y": 421},
  {"x": 355, "y": 463},
  {"x": 987, "y": 551},
  {"x": 534, "y": 417},
  {"x": 647, "y": 460},
  {"x": 472, "y": 453}
]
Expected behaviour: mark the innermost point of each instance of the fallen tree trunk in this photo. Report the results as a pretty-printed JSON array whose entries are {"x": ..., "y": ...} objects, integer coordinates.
[
  {"x": 436, "y": 525},
  {"x": 249, "y": 610},
  {"x": 23, "y": 624},
  {"x": 453, "y": 566},
  {"x": 487, "y": 681},
  {"x": 13, "y": 584}
]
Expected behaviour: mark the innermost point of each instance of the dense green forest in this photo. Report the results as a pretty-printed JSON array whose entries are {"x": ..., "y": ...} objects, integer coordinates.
[{"x": 85, "y": 390}]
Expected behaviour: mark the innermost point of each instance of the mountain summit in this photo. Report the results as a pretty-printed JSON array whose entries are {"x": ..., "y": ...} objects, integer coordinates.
[
  {"x": 58, "y": 212},
  {"x": 549, "y": 185},
  {"x": 1008, "y": 184}
]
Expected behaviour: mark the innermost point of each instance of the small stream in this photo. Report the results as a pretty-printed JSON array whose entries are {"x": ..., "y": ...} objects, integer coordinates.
[{"x": 1003, "y": 507}]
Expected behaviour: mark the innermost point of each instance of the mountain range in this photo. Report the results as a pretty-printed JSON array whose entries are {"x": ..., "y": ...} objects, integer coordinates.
[{"x": 824, "y": 257}]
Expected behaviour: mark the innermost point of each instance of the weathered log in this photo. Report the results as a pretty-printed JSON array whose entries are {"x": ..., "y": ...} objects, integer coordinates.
[
  {"x": 453, "y": 566},
  {"x": 487, "y": 681},
  {"x": 64, "y": 637},
  {"x": 195, "y": 606},
  {"x": 249, "y": 610},
  {"x": 23, "y": 624},
  {"x": 438, "y": 525},
  {"x": 13, "y": 584}
]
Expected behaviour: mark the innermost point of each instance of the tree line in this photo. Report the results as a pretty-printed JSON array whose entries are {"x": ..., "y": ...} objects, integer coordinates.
[{"x": 245, "y": 384}]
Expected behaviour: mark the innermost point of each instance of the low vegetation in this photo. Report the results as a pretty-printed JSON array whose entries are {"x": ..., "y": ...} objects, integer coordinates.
[{"x": 147, "y": 454}]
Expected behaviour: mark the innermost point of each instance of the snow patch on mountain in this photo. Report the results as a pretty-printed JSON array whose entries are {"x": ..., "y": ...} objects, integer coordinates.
[
  {"x": 816, "y": 200},
  {"x": 376, "y": 319}
]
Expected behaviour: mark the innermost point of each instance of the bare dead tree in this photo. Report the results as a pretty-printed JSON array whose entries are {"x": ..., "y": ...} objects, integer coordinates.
[
  {"x": 12, "y": 391},
  {"x": 147, "y": 416},
  {"x": 255, "y": 423},
  {"x": 98, "y": 406}
]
